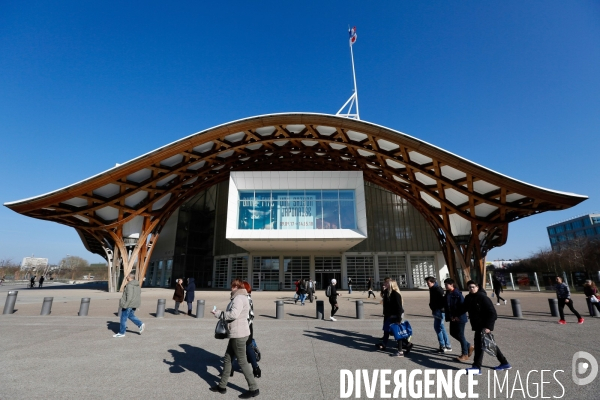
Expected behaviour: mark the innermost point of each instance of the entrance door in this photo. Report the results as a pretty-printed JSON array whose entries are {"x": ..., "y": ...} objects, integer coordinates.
[{"x": 324, "y": 279}]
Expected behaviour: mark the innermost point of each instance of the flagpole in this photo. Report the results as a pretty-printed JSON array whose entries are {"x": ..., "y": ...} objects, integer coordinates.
[{"x": 354, "y": 76}]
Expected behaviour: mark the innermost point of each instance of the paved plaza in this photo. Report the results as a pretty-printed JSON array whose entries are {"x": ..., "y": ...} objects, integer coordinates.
[{"x": 63, "y": 356}]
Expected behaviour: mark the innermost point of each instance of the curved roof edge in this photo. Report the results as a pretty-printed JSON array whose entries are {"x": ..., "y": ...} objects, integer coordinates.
[{"x": 117, "y": 167}]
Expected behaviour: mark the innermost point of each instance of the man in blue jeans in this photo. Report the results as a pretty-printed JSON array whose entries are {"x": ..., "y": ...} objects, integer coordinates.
[
  {"x": 437, "y": 305},
  {"x": 131, "y": 299},
  {"x": 458, "y": 318}
]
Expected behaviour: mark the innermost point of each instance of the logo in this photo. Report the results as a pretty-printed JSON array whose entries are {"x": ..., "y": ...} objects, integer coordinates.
[{"x": 579, "y": 368}]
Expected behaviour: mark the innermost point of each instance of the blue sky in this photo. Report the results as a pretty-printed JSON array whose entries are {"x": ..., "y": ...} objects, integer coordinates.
[{"x": 511, "y": 85}]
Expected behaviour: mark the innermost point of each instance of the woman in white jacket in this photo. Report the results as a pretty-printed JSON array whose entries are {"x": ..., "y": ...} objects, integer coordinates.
[{"x": 236, "y": 315}]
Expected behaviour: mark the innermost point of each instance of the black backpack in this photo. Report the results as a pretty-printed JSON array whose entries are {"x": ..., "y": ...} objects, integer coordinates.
[{"x": 328, "y": 291}]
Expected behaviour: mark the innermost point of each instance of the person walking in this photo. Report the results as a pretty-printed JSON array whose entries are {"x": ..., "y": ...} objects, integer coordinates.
[
  {"x": 178, "y": 295},
  {"x": 130, "y": 301},
  {"x": 392, "y": 313},
  {"x": 563, "y": 294},
  {"x": 250, "y": 343},
  {"x": 370, "y": 288},
  {"x": 591, "y": 291},
  {"x": 236, "y": 314},
  {"x": 297, "y": 294},
  {"x": 482, "y": 316},
  {"x": 349, "y": 285},
  {"x": 454, "y": 300},
  {"x": 332, "y": 293},
  {"x": 302, "y": 291},
  {"x": 497, "y": 289},
  {"x": 189, "y": 295},
  {"x": 437, "y": 305},
  {"x": 41, "y": 281},
  {"x": 310, "y": 289},
  {"x": 32, "y": 282}
]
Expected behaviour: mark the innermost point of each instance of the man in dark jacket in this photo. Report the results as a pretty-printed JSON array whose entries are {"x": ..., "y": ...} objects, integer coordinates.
[
  {"x": 437, "y": 305},
  {"x": 189, "y": 294},
  {"x": 131, "y": 299},
  {"x": 482, "y": 315},
  {"x": 458, "y": 320}
]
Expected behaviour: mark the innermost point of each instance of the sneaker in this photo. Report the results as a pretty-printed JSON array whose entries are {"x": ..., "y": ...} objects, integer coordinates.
[
  {"x": 502, "y": 367},
  {"x": 397, "y": 354},
  {"x": 219, "y": 389},
  {"x": 249, "y": 394},
  {"x": 463, "y": 358},
  {"x": 333, "y": 319},
  {"x": 476, "y": 371},
  {"x": 471, "y": 350},
  {"x": 142, "y": 328},
  {"x": 447, "y": 349},
  {"x": 504, "y": 302},
  {"x": 497, "y": 304},
  {"x": 580, "y": 321},
  {"x": 408, "y": 348},
  {"x": 119, "y": 335},
  {"x": 562, "y": 322},
  {"x": 442, "y": 349}
]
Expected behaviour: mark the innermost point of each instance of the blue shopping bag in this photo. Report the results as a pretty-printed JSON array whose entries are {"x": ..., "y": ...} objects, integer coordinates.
[{"x": 401, "y": 331}]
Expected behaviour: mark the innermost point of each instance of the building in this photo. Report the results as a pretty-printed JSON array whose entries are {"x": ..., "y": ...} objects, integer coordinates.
[
  {"x": 583, "y": 227},
  {"x": 276, "y": 197}
]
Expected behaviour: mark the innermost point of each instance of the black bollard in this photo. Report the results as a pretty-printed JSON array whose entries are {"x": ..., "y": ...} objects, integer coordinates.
[
  {"x": 320, "y": 309},
  {"x": 553, "y": 307},
  {"x": 160, "y": 308},
  {"x": 200, "y": 309},
  {"x": 47, "y": 306},
  {"x": 360, "y": 312},
  {"x": 84, "y": 307},
  {"x": 11, "y": 298},
  {"x": 516, "y": 308},
  {"x": 279, "y": 309}
]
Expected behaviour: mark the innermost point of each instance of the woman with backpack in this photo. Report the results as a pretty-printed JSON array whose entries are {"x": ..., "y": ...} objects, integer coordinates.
[
  {"x": 251, "y": 348},
  {"x": 332, "y": 293},
  {"x": 302, "y": 291}
]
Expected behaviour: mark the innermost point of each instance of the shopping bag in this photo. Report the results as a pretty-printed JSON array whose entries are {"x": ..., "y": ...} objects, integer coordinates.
[
  {"x": 221, "y": 330},
  {"x": 401, "y": 330},
  {"x": 488, "y": 344}
]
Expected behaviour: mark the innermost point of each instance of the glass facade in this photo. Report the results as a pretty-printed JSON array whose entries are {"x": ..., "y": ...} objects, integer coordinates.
[{"x": 297, "y": 209}]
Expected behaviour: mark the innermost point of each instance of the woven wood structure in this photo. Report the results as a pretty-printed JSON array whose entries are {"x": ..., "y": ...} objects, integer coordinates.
[{"x": 468, "y": 206}]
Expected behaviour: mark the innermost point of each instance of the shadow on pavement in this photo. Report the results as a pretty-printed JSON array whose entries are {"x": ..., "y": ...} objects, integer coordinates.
[
  {"x": 198, "y": 361},
  {"x": 300, "y": 315},
  {"x": 353, "y": 340}
]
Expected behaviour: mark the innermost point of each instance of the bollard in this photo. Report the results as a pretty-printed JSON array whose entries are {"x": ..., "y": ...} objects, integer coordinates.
[
  {"x": 320, "y": 309},
  {"x": 160, "y": 308},
  {"x": 11, "y": 298},
  {"x": 84, "y": 307},
  {"x": 47, "y": 306},
  {"x": 553, "y": 307},
  {"x": 200, "y": 309},
  {"x": 360, "y": 312},
  {"x": 119, "y": 312},
  {"x": 279, "y": 309},
  {"x": 516, "y": 308}
]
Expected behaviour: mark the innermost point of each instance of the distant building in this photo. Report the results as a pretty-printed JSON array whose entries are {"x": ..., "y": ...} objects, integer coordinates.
[
  {"x": 585, "y": 226},
  {"x": 34, "y": 264},
  {"x": 502, "y": 263}
]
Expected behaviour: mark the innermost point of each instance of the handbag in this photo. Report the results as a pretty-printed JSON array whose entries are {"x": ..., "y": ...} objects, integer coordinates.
[
  {"x": 594, "y": 299},
  {"x": 488, "y": 344},
  {"x": 401, "y": 330},
  {"x": 221, "y": 330}
]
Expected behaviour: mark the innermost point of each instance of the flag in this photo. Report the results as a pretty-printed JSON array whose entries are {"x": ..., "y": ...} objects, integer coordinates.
[{"x": 352, "y": 33}]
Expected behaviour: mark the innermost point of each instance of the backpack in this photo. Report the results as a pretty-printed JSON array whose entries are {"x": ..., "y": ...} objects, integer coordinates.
[{"x": 328, "y": 291}]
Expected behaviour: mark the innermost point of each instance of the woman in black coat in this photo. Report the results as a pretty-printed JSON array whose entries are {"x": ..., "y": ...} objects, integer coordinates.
[
  {"x": 189, "y": 294},
  {"x": 392, "y": 313}
]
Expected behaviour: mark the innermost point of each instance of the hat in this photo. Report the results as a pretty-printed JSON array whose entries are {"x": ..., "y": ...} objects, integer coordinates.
[{"x": 333, "y": 281}]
